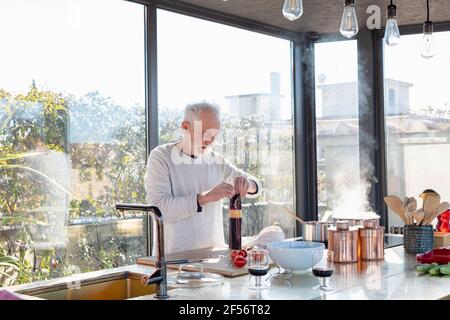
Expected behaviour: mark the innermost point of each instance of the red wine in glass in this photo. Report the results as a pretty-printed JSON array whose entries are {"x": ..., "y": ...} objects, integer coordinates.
[
  {"x": 258, "y": 271},
  {"x": 322, "y": 269},
  {"x": 322, "y": 272},
  {"x": 258, "y": 266}
]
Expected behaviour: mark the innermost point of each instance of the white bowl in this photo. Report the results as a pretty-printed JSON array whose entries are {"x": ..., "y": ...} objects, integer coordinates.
[{"x": 296, "y": 255}]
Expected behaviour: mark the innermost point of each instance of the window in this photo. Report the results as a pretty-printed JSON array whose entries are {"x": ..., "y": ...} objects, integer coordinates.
[
  {"x": 249, "y": 76},
  {"x": 418, "y": 126},
  {"x": 72, "y": 136},
  {"x": 340, "y": 187}
]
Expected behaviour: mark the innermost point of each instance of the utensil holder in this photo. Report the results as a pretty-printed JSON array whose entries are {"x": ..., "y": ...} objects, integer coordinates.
[{"x": 417, "y": 239}]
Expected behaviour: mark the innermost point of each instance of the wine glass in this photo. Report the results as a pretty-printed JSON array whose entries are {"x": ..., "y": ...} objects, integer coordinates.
[
  {"x": 323, "y": 268},
  {"x": 258, "y": 266}
]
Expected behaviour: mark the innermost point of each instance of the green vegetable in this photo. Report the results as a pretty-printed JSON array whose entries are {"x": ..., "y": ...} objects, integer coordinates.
[
  {"x": 445, "y": 269},
  {"x": 434, "y": 270},
  {"x": 423, "y": 268}
]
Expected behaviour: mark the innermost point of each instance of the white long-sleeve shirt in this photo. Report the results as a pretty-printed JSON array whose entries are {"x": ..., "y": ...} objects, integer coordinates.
[{"x": 173, "y": 180}]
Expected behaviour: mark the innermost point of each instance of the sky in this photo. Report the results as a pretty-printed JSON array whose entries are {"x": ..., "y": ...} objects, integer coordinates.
[
  {"x": 77, "y": 46},
  {"x": 336, "y": 62},
  {"x": 430, "y": 78}
]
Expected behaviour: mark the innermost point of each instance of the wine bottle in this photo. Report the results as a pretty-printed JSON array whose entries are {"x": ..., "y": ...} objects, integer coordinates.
[{"x": 235, "y": 215}]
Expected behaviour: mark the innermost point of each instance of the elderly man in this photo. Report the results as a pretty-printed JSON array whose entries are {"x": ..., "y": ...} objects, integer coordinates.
[{"x": 187, "y": 180}]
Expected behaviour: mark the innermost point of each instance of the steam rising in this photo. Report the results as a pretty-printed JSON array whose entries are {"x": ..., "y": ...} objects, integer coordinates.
[{"x": 353, "y": 172}]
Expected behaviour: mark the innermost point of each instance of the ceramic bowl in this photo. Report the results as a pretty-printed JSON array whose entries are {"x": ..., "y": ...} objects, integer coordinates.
[{"x": 296, "y": 255}]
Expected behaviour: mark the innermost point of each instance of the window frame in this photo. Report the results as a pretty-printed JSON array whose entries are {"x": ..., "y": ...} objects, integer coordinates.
[
  {"x": 379, "y": 111},
  {"x": 302, "y": 141},
  {"x": 371, "y": 114}
]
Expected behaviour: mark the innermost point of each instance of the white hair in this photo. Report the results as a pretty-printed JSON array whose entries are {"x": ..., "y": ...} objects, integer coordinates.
[{"x": 192, "y": 111}]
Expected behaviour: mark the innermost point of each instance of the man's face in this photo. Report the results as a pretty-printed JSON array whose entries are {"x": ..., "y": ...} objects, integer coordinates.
[{"x": 203, "y": 131}]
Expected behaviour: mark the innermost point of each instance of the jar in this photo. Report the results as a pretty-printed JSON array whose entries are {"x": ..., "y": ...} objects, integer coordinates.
[
  {"x": 371, "y": 241},
  {"x": 343, "y": 242}
]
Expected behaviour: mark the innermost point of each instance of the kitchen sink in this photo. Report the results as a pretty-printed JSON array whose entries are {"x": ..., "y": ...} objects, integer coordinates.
[{"x": 120, "y": 286}]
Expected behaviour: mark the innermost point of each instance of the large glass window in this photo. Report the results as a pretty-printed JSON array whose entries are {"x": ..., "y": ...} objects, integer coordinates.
[
  {"x": 72, "y": 136},
  {"x": 417, "y": 119},
  {"x": 341, "y": 190},
  {"x": 249, "y": 76}
]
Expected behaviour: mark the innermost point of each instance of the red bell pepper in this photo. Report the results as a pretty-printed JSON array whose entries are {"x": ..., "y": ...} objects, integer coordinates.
[
  {"x": 438, "y": 255},
  {"x": 443, "y": 224}
]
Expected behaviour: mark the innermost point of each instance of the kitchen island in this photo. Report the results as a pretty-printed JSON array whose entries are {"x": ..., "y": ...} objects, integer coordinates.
[{"x": 393, "y": 278}]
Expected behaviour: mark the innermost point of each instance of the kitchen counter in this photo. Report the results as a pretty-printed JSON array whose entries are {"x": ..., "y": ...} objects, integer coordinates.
[{"x": 393, "y": 278}]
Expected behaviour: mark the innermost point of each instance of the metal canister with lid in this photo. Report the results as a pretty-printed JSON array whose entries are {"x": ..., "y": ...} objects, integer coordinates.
[
  {"x": 371, "y": 238},
  {"x": 343, "y": 242}
]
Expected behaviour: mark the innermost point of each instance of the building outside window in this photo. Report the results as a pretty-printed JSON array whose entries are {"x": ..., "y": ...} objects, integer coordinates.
[
  {"x": 249, "y": 76},
  {"x": 340, "y": 187},
  {"x": 418, "y": 123}
]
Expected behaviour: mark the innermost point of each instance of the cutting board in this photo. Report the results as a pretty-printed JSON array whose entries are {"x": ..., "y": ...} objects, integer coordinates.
[{"x": 218, "y": 261}]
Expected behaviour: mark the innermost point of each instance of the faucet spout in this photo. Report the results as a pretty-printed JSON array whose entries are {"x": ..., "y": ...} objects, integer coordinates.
[{"x": 160, "y": 275}]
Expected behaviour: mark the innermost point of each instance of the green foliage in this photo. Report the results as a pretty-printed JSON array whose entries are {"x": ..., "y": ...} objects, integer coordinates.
[
  {"x": 9, "y": 266},
  {"x": 106, "y": 148}
]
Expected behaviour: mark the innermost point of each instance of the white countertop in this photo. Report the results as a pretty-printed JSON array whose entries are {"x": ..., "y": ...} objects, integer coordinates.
[{"x": 393, "y": 278}]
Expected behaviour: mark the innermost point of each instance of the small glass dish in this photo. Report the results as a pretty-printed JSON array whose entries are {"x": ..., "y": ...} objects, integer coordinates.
[{"x": 193, "y": 279}]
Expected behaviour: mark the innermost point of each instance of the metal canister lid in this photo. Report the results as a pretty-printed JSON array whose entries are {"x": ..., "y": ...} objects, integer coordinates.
[
  {"x": 371, "y": 223},
  {"x": 342, "y": 225}
]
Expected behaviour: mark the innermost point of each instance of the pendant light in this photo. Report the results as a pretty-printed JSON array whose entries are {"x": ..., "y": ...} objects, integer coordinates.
[
  {"x": 392, "y": 33},
  {"x": 292, "y": 9},
  {"x": 349, "y": 23},
  {"x": 427, "y": 50}
]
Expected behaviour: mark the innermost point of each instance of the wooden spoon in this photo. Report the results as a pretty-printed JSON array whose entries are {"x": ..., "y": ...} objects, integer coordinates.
[
  {"x": 294, "y": 215},
  {"x": 430, "y": 204},
  {"x": 395, "y": 204},
  {"x": 419, "y": 215},
  {"x": 409, "y": 208},
  {"x": 444, "y": 206}
]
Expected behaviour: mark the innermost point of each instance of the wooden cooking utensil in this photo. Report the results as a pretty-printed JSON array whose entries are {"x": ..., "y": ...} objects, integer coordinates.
[
  {"x": 409, "y": 207},
  {"x": 395, "y": 204},
  {"x": 419, "y": 215},
  {"x": 294, "y": 215},
  {"x": 444, "y": 206},
  {"x": 431, "y": 202}
]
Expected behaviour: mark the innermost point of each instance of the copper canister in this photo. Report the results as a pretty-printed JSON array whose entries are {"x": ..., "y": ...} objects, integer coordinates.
[
  {"x": 371, "y": 240},
  {"x": 343, "y": 242}
]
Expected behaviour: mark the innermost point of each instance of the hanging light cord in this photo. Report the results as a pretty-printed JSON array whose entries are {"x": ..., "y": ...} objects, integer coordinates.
[{"x": 428, "y": 10}]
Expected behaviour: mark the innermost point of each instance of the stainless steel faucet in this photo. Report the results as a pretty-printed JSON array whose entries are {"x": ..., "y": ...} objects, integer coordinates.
[{"x": 159, "y": 277}]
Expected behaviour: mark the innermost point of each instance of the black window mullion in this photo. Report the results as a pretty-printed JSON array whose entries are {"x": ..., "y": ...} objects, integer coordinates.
[
  {"x": 151, "y": 98},
  {"x": 371, "y": 120},
  {"x": 305, "y": 130}
]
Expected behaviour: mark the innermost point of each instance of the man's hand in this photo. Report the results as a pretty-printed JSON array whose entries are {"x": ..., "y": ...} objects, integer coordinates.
[
  {"x": 220, "y": 191},
  {"x": 243, "y": 186}
]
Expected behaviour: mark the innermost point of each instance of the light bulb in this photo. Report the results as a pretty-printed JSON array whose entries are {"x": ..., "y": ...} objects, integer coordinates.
[
  {"x": 392, "y": 33},
  {"x": 293, "y": 9},
  {"x": 349, "y": 23},
  {"x": 427, "y": 46},
  {"x": 427, "y": 50}
]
